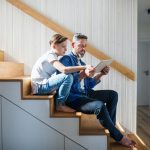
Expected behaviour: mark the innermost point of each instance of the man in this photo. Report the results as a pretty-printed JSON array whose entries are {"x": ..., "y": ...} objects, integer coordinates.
[{"x": 103, "y": 103}]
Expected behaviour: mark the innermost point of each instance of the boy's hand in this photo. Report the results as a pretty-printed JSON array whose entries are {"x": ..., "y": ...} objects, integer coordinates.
[{"x": 90, "y": 71}]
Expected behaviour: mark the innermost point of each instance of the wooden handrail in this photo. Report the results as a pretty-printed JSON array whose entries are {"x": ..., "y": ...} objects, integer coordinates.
[
  {"x": 61, "y": 30},
  {"x": 1, "y": 55}
]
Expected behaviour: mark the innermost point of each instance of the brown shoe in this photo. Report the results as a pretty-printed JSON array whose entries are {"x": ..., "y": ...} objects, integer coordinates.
[{"x": 64, "y": 108}]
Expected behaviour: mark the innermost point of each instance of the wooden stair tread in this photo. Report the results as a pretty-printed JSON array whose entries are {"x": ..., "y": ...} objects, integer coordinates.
[
  {"x": 37, "y": 97},
  {"x": 64, "y": 115},
  {"x": 26, "y": 88},
  {"x": 139, "y": 145},
  {"x": 11, "y": 69},
  {"x": 1, "y": 55},
  {"x": 89, "y": 125}
]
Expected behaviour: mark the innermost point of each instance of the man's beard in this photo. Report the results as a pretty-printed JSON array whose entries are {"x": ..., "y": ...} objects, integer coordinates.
[{"x": 81, "y": 54}]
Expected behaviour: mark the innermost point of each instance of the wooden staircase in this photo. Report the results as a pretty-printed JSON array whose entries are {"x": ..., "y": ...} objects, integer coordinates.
[{"x": 88, "y": 124}]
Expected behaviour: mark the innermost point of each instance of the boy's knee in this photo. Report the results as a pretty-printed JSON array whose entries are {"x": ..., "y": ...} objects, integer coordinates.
[{"x": 69, "y": 77}]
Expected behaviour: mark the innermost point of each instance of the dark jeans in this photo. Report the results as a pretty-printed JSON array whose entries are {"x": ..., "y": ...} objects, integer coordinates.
[{"x": 103, "y": 103}]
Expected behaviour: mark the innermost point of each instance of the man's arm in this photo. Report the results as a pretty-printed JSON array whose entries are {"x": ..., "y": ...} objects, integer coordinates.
[{"x": 92, "y": 82}]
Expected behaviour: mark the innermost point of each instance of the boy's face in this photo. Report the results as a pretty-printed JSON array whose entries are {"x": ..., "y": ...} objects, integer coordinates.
[
  {"x": 79, "y": 47},
  {"x": 61, "y": 48}
]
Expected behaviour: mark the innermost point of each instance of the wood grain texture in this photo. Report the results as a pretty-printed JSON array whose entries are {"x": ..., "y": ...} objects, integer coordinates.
[
  {"x": 89, "y": 125},
  {"x": 11, "y": 69},
  {"x": 139, "y": 145},
  {"x": 1, "y": 55},
  {"x": 143, "y": 124}
]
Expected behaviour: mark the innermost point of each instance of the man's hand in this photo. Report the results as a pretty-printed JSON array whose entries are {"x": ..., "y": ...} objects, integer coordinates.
[
  {"x": 90, "y": 71},
  {"x": 105, "y": 71}
]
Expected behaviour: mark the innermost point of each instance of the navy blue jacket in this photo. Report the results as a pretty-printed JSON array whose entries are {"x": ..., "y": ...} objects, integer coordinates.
[{"x": 89, "y": 83}]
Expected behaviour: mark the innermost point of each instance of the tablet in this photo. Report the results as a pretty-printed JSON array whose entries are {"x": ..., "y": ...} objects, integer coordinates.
[{"x": 102, "y": 65}]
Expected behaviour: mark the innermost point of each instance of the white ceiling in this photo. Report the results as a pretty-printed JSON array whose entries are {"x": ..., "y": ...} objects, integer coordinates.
[{"x": 143, "y": 17}]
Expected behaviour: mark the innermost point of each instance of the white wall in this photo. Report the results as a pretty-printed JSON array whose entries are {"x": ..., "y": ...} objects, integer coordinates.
[
  {"x": 143, "y": 80},
  {"x": 111, "y": 26},
  {"x": 144, "y": 32}
]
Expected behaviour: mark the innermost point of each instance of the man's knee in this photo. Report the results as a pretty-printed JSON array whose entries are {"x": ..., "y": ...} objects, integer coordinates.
[
  {"x": 114, "y": 96},
  {"x": 98, "y": 107}
]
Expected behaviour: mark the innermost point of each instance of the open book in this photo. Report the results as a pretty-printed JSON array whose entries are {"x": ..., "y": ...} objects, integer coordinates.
[{"x": 102, "y": 65}]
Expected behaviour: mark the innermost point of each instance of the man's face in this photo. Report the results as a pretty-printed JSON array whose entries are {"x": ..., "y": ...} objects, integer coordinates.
[{"x": 79, "y": 47}]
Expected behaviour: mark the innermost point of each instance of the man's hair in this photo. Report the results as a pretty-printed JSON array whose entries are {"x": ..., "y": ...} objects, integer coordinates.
[
  {"x": 57, "y": 39},
  {"x": 78, "y": 36}
]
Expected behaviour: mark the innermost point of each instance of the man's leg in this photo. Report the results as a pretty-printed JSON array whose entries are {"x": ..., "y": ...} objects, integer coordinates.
[
  {"x": 109, "y": 97},
  {"x": 86, "y": 105},
  {"x": 114, "y": 132},
  {"x": 106, "y": 121},
  {"x": 89, "y": 105}
]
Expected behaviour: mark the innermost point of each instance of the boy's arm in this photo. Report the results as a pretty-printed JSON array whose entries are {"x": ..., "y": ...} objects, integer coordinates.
[{"x": 66, "y": 61}]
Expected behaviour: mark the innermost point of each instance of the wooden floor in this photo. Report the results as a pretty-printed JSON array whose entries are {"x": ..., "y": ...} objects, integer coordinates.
[{"x": 143, "y": 124}]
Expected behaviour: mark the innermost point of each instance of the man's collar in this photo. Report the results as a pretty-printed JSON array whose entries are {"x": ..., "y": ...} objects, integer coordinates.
[{"x": 78, "y": 59}]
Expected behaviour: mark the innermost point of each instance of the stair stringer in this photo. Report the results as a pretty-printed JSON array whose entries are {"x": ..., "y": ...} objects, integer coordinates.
[{"x": 40, "y": 109}]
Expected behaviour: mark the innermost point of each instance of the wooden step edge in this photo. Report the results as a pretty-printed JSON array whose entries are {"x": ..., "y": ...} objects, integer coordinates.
[
  {"x": 95, "y": 132},
  {"x": 11, "y": 69},
  {"x": 26, "y": 93},
  {"x": 89, "y": 125},
  {"x": 100, "y": 132},
  {"x": 1, "y": 55},
  {"x": 87, "y": 129},
  {"x": 36, "y": 97},
  {"x": 55, "y": 114}
]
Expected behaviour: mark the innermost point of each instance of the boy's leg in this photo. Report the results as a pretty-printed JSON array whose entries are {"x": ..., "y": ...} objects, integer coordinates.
[{"x": 62, "y": 83}]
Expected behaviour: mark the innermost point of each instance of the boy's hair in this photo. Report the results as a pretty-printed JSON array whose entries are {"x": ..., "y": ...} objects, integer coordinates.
[
  {"x": 78, "y": 36},
  {"x": 57, "y": 39}
]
